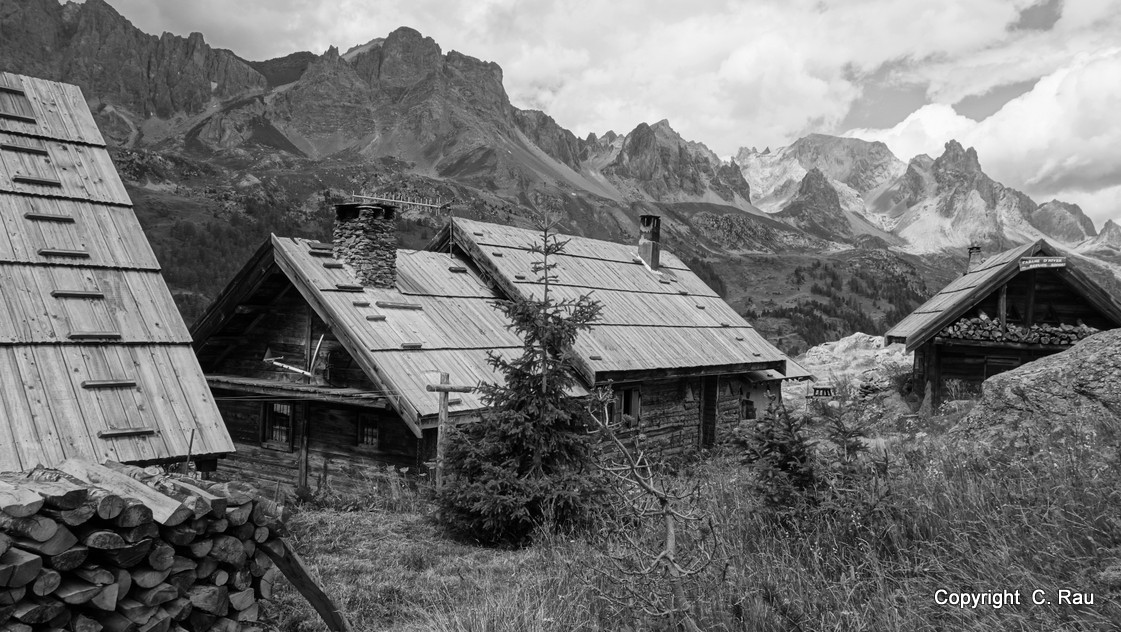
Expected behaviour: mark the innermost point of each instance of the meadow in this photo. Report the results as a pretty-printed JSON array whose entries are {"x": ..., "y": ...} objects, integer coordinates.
[{"x": 927, "y": 512}]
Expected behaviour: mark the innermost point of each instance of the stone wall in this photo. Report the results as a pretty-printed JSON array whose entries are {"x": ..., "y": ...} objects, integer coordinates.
[{"x": 365, "y": 237}]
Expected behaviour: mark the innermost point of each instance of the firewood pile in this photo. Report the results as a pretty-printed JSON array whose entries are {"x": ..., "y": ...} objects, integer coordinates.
[
  {"x": 118, "y": 548},
  {"x": 985, "y": 328}
]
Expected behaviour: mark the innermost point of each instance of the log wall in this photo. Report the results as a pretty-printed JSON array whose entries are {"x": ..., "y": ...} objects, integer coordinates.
[
  {"x": 333, "y": 458},
  {"x": 671, "y": 410}
]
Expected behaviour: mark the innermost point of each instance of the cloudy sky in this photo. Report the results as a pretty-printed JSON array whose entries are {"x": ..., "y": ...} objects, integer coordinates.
[{"x": 1034, "y": 85}]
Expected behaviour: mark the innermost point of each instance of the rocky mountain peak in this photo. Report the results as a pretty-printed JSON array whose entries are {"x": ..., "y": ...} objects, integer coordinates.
[
  {"x": 958, "y": 174},
  {"x": 1109, "y": 239},
  {"x": 860, "y": 164},
  {"x": 957, "y": 160},
  {"x": 816, "y": 208},
  {"x": 1063, "y": 221},
  {"x": 406, "y": 57},
  {"x": 666, "y": 166}
]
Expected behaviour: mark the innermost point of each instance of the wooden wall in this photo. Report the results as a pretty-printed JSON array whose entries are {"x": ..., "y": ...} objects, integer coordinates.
[
  {"x": 1045, "y": 298},
  {"x": 1033, "y": 297},
  {"x": 333, "y": 460},
  {"x": 671, "y": 410},
  {"x": 278, "y": 320}
]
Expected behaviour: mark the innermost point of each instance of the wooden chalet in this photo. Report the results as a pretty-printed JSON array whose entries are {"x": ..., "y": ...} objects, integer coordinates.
[
  {"x": 320, "y": 354},
  {"x": 95, "y": 361},
  {"x": 1017, "y": 306}
]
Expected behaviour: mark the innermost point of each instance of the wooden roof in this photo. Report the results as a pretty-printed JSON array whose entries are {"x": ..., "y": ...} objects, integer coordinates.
[
  {"x": 95, "y": 361},
  {"x": 441, "y": 316},
  {"x": 663, "y": 322},
  {"x": 436, "y": 321},
  {"x": 966, "y": 291}
]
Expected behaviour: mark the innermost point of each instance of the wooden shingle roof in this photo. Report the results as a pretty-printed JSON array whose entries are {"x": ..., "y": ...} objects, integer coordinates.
[
  {"x": 662, "y": 322},
  {"x": 966, "y": 291},
  {"x": 435, "y": 321},
  {"x": 95, "y": 360}
]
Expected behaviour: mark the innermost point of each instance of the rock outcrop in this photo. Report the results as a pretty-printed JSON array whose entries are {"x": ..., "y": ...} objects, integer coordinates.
[
  {"x": 1109, "y": 239},
  {"x": 667, "y": 167},
  {"x": 1061, "y": 406},
  {"x": 1063, "y": 221},
  {"x": 862, "y": 165},
  {"x": 110, "y": 59},
  {"x": 816, "y": 209}
]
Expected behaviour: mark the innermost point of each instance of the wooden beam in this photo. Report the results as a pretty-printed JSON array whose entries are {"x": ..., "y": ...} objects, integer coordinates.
[
  {"x": 995, "y": 344},
  {"x": 49, "y": 217},
  {"x": 935, "y": 376},
  {"x": 444, "y": 387},
  {"x": 1029, "y": 299},
  {"x": 441, "y": 427},
  {"x": 294, "y": 569},
  {"x": 25, "y": 149},
  {"x": 245, "y": 283},
  {"x": 624, "y": 376},
  {"x": 1002, "y": 307},
  {"x": 124, "y": 432}
]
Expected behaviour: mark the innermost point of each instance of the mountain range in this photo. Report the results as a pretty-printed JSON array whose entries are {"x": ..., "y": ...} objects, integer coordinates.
[{"x": 210, "y": 143}]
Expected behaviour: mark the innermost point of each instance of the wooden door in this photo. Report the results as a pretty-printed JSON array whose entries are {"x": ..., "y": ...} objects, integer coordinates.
[{"x": 709, "y": 392}]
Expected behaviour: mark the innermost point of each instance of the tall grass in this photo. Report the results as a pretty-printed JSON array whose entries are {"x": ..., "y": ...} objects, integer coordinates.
[{"x": 938, "y": 515}]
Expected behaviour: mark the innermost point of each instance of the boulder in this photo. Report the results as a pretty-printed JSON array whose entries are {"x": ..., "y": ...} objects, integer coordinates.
[{"x": 1064, "y": 405}]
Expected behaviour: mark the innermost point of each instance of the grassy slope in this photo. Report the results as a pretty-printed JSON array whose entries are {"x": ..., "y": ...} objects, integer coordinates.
[{"x": 947, "y": 521}]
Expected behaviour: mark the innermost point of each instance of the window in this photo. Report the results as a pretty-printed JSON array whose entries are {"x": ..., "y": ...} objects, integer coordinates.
[
  {"x": 747, "y": 408},
  {"x": 369, "y": 436},
  {"x": 628, "y": 402},
  {"x": 276, "y": 429}
]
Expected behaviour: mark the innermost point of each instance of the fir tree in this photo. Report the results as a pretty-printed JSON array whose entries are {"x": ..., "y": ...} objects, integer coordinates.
[{"x": 528, "y": 461}]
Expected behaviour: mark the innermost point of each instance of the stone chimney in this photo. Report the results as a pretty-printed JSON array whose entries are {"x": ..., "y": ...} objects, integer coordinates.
[
  {"x": 365, "y": 237},
  {"x": 974, "y": 259},
  {"x": 649, "y": 240}
]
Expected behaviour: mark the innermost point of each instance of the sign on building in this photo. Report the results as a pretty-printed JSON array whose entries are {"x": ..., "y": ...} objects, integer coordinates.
[{"x": 1034, "y": 263}]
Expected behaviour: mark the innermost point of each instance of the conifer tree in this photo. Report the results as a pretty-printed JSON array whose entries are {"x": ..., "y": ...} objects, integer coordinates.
[{"x": 528, "y": 461}]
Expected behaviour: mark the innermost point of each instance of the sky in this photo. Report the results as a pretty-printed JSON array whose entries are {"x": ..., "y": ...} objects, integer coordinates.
[{"x": 1033, "y": 85}]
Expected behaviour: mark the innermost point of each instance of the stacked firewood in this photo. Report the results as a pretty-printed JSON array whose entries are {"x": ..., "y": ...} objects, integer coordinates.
[
  {"x": 89, "y": 547},
  {"x": 985, "y": 328}
]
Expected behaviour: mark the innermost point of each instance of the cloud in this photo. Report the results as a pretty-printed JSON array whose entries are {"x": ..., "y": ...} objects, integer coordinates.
[
  {"x": 727, "y": 74},
  {"x": 760, "y": 73},
  {"x": 1059, "y": 139}
]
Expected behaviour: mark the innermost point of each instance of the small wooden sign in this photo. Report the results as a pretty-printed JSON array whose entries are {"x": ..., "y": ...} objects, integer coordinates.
[{"x": 1034, "y": 263}]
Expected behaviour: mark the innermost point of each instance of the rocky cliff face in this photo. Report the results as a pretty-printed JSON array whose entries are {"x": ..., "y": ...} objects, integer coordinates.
[
  {"x": 556, "y": 141},
  {"x": 950, "y": 203},
  {"x": 114, "y": 62},
  {"x": 1068, "y": 403},
  {"x": 816, "y": 209},
  {"x": 666, "y": 167},
  {"x": 400, "y": 99},
  {"x": 862, "y": 165},
  {"x": 1063, "y": 221},
  {"x": 1109, "y": 239}
]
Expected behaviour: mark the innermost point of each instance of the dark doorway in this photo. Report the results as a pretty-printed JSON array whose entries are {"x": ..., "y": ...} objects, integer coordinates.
[{"x": 709, "y": 392}]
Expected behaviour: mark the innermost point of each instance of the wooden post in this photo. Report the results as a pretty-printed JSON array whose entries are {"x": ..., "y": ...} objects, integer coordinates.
[
  {"x": 1002, "y": 307},
  {"x": 441, "y": 428},
  {"x": 443, "y": 388},
  {"x": 1029, "y": 299},
  {"x": 304, "y": 427}
]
